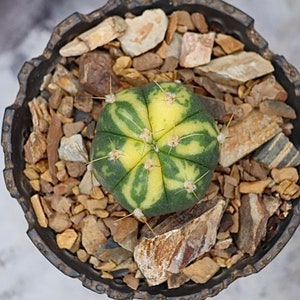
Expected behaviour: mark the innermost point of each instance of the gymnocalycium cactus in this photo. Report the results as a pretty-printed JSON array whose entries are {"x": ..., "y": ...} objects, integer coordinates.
[{"x": 155, "y": 148}]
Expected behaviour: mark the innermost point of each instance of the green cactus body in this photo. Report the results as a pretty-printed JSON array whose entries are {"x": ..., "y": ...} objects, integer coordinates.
[{"x": 155, "y": 148}]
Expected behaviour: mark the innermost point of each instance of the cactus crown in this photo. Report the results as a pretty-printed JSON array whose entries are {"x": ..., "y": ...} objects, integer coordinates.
[{"x": 155, "y": 148}]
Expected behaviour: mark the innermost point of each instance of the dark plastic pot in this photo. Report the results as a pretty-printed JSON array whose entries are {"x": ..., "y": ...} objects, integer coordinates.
[{"x": 17, "y": 125}]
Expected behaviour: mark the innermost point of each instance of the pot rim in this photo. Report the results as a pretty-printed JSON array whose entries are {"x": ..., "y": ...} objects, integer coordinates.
[{"x": 13, "y": 135}]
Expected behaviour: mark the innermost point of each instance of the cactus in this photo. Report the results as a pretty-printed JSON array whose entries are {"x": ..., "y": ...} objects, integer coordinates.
[{"x": 155, "y": 148}]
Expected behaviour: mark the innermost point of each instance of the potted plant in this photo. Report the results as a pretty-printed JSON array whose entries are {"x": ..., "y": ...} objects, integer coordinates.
[{"x": 39, "y": 79}]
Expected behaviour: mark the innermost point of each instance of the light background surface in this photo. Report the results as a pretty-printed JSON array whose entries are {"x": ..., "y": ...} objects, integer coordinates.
[{"x": 25, "y": 27}]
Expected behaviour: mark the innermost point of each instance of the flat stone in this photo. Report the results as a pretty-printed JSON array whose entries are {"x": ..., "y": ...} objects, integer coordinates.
[
  {"x": 209, "y": 86},
  {"x": 199, "y": 22},
  {"x": 39, "y": 211},
  {"x": 55, "y": 98},
  {"x": 72, "y": 128},
  {"x": 92, "y": 237},
  {"x": 256, "y": 187},
  {"x": 144, "y": 32},
  {"x": 35, "y": 147},
  {"x": 179, "y": 239},
  {"x": 59, "y": 221},
  {"x": 83, "y": 101},
  {"x": 268, "y": 89},
  {"x": 65, "y": 80},
  {"x": 169, "y": 65},
  {"x": 201, "y": 270},
  {"x": 278, "y": 108},
  {"x": 40, "y": 114},
  {"x": 96, "y": 74},
  {"x": 75, "y": 169},
  {"x": 288, "y": 173},
  {"x": 172, "y": 26},
  {"x": 228, "y": 43},
  {"x": 124, "y": 231},
  {"x": 73, "y": 149},
  {"x": 196, "y": 49},
  {"x": 174, "y": 48},
  {"x": 184, "y": 19},
  {"x": 147, "y": 61},
  {"x": 247, "y": 135},
  {"x": 236, "y": 69},
  {"x": 253, "y": 223},
  {"x": 66, "y": 239},
  {"x": 66, "y": 106},
  {"x": 279, "y": 152},
  {"x": 88, "y": 182},
  {"x": 103, "y": 33}
]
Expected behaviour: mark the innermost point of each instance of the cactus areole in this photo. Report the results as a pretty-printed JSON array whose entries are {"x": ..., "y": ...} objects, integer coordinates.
[{"x": 155, "y": 148}]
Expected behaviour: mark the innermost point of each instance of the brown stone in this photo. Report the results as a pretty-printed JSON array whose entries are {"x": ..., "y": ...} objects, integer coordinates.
[
  {"x": 169, "y": 65},
  {"x": 179, "y": 239},
  {"x": 285, "y": 174},
  {"x": 53, "y": 140},
  {"x": 59, "y": 221},
  {"x": 131, "y": 281},
  {"x": 256, "y": 187},
  {"x": 65, "y": 80},
  {"x": 278, "y": 108},
  {"x": 184, "y": 19},
  {"x": 66, "y": 106},
  {"x": 75, "y": 169},
  {"x": 228, "y": 43},
  {"x": 35, "y": 147},
  {"x": 96, "y": 74},
  {"x": 172, "y": 25},
  {"x": 201, "y": 270},
  {"x": 66, "y": 239},
  {"x": 55, "y": 98},
  {"x": 209, "y": 86},
  {"x": 92, "y": 237},
  {"x": 40, "y": 116},
  {"x": 247, "y": 135},
  {"x": 72, "y": 128},
  {"x": 83, "y": 101},
  {"x": 253, "y": 223},
  {"x": 147, "y": 61},
  {"x": 38, "y": 210},
  {"x": 199, "y": 22},
  {"x": 268, "y": 89}
]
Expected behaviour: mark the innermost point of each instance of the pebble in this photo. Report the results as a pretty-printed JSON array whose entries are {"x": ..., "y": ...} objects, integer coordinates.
[
  {"x": 277, "y": 108},
  {"x": 66, "y": 239},
  {"x": 92, "y": 237},
  {"x": 144, "y": 32},
  {"x": 247, "y": 135},
  {"x": 72, "y": 128},
  {"x": 184, "y": 19},
  {"x": 236, "y": 69},
  {"x": 66, "y": 106},
  {"x": 268, "y": 89},
  {"x": 201, "y": 270},
  {"x": 228, "y": 43},
  {"x": 96, "y": 74},
  {"x": 196, "y": 49},
  {"x": 83, "y": 101},
  {"x": 147, "y": 61},
  {"x": 73, "y": 149},
  {"x": 199, "y": 22},
  {"x": 253, "y": 223},
  {"x": 35, "y": 147},
  {"x": 106, "y": 31}
]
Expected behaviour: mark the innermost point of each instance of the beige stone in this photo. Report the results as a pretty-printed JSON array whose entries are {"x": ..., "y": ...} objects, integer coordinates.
[
  {"x": 66, "y": 239},
  {"x": 201, "y": 270},
  {"x": 247, "y": 135},
  {"x": 101, "y": 34},
  {"x": 237, "y": 68}
]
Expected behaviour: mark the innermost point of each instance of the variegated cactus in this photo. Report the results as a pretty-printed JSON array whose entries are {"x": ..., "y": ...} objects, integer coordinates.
[{"x": 155, "y": 148}]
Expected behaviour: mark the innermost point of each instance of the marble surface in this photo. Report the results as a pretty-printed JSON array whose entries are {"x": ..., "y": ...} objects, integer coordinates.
[{"x": 25, "y": 26}]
